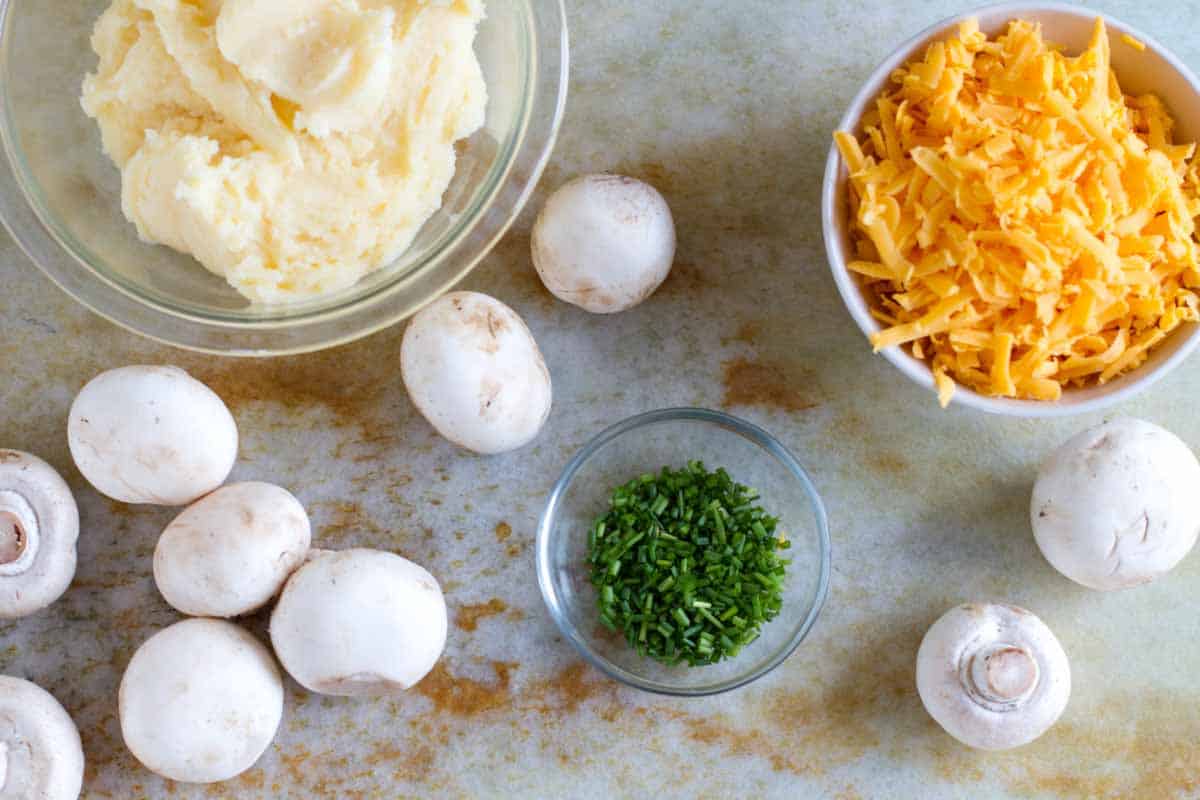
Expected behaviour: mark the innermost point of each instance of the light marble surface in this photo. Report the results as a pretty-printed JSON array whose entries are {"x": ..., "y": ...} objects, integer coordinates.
[{"x": 727, "y": 106}]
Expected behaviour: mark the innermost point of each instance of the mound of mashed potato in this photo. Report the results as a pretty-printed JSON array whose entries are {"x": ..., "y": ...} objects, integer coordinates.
[{"x": 291, "y": 146}]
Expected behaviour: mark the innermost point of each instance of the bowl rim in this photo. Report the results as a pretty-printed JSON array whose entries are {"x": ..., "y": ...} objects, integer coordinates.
[
  {"x": 1123, "y": 388},
  {"x": 310, "y": 329},
  {"x": 747, "y": 430}
]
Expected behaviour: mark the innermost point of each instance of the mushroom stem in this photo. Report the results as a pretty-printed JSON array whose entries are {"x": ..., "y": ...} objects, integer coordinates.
[
  {"x": 18, "y": 533},
  {"x": 1000, "y": 676}
]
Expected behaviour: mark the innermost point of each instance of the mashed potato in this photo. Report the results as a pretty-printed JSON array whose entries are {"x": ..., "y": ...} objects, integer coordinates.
[{"x": 291, "y": 146}]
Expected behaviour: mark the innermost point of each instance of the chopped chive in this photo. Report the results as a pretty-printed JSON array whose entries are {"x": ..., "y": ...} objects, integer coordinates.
[
  {"x": 686, "y": 565},
  {"x": 659, "y": 506}
]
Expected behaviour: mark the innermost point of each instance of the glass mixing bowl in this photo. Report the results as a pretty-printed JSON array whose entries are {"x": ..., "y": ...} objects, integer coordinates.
[
  {"x": 60, "y": 195},
  {"x": 647, "y": 443}
]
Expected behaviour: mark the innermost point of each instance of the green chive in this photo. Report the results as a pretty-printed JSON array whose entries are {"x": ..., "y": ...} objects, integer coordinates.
[{"x": 686, "y": 565}]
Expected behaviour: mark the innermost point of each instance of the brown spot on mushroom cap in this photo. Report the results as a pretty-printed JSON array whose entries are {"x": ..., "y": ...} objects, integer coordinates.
[
  {"x": 487, "y": 323},
  {"x": 755, "y": 383},
  {"x": 467, "y": 618},
  {"x": 503, "y": 531},
  {"x": 489, "y": 391}
]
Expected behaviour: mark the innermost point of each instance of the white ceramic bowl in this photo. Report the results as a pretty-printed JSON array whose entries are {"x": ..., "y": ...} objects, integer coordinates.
[{"x": 1155, "y": 70}]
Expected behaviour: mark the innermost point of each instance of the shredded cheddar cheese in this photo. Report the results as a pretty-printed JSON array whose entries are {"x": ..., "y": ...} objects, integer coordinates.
[
  {"x": 1019, "y": 223},
  {"x": 1136, "y": 44}
]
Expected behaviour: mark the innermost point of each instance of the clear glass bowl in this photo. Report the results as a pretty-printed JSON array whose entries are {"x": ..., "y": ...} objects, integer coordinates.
[
  {"x": 648, "y": 443},
  {"x": 60, "y": 196}
]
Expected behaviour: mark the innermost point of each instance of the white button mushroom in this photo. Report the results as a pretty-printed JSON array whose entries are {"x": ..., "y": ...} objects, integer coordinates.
[
  {"x": 229, "y": 553},
  {"x": 993, "y": 676},
  {"x": 41, "y": 757},
  {"x": 474, "y": 371},
  {"x": 39, "y": 526},
  {"x": 1118, "y": 505},
  {"x": 200, "y": 701},
  {"x": 604, "y": 242},
  {"x": 359, "y": 622},
  {"x": 152, "y": 435}
]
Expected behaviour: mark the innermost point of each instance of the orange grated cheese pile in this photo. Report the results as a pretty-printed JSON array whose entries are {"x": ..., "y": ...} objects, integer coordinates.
[{"x": 1019, "y": 223}]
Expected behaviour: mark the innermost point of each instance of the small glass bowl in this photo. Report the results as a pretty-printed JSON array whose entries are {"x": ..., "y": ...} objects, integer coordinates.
[
  {"x": 60, "y": 196},
  {"x": 647, "y": 443}
]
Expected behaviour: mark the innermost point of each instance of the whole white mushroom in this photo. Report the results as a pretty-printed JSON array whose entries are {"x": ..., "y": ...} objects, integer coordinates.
[
  {"x": 39, "y": 528},
  {"x": 41, "y": 757},
  {"x": 604, "y": 242},
  {"x": 1118, "y": 505},
  {"x": 993, "y": 676},
  {"x": 359, "y": 622},
  {"x": 200, "y": 701},
  {"x": 151, "y": 435},
  {"x": 230, "y": 552},
  {"x": 473, "y": 370}
]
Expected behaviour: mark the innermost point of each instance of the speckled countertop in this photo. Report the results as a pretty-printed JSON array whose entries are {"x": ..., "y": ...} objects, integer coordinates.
[{"x": 727, "y": 107}]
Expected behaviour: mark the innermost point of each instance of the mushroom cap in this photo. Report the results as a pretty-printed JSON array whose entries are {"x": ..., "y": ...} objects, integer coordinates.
[
  {"x": 1118, "y": 505},
  {"x": 604, "y": 242},
  {"x": 38, "y": 511},
  {"x": 231, "y": 551},
  {"x": 151, "y": 435},
  {"x": 359, "y": 622},
  {"x": 200, "y": 701},
  {"x": 474, "y": 371},
  {"x": 993, "y": 676},
  {"x": 41, "y": 756}
]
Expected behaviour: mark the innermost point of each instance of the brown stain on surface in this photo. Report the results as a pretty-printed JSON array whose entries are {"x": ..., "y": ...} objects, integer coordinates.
[
  {"x": 747, "y": 333},
  {"x": 255, "y": 779},
  {"x": 467, "y": 618},
  {"x": 756, "y": 383},
  {"x": 686, "y": 278},
  {"x": 1144, "y": 744},
  {"x": 655, "y": 173},
  {"x": 342, "y": 518},
  {"x": 348, "y": 381},
  {"x": 570, "y": 688},
  {"x": 465, "y": 697},
  {"x": 406, "y": 762},
  {"x": 889, "y": 464},
  {"x": 503, "y": 531},
  {"x": 811, "y": 731}
]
